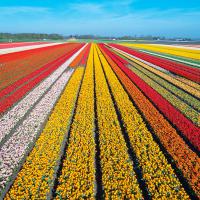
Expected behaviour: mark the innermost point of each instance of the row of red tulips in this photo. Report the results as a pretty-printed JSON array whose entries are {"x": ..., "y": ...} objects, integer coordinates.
[
  {"x": 165, "y": 61},
  {"x": 20, "y": 89},
  {"x": 177, "y": 68},
  {"x": 188, "y": 129},
  {"x": 14, "y": 67},
  {"x": 23, "y": 80}
]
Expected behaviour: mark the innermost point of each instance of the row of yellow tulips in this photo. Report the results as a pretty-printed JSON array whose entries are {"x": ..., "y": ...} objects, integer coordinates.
[
  {"x": 118, "y": 177},
  {"x": 77, "y": 179},
  {"x": 161, "y": 180},
  {"x": 183, "y": 52},
  {"x": 188, "y": 82},
  {"x": 35, "y": 180}
]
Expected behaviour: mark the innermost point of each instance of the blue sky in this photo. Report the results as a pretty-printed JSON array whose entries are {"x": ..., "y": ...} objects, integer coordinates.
[{"x": 170, "y": 18}]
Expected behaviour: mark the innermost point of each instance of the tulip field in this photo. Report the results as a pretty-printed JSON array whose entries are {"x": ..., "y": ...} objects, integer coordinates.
[{"x": 99, "y": 121}]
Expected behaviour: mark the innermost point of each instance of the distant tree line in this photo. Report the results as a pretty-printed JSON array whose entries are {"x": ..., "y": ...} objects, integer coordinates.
[
  {"x": 30, "y": 36},
  {"x": 42, "y": 36},
  {"x": 118, "y": 38},
  {"x": 141, "y": 37}
]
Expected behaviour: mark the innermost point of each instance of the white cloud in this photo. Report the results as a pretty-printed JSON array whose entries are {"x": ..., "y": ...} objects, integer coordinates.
[{"x": 86, "y": 7}]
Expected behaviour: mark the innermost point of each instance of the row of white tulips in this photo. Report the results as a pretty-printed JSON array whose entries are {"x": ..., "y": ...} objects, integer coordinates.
[{"x": 15, "y": 149}]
